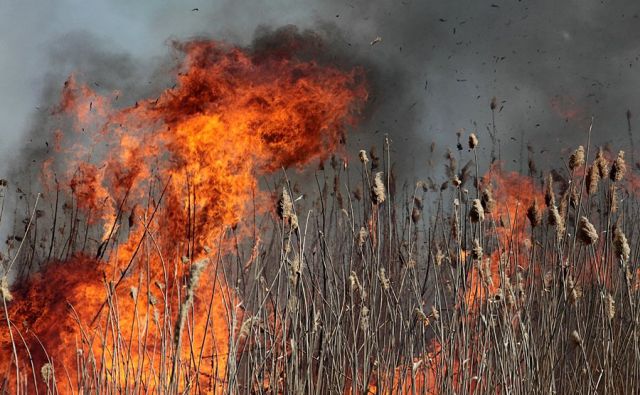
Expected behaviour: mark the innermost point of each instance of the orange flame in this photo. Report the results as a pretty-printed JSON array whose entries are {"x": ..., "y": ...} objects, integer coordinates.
[{"x": 182, "y": 167}]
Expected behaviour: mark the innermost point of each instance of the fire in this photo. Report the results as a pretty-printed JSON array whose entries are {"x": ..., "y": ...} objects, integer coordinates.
[
  {"x": 513, "y": 194},
  {"x": 182, "y": 167}
]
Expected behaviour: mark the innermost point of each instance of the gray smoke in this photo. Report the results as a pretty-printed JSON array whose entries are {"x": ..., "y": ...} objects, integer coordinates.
[
  {"x": 434, "y": 66},
  {"x": 434, "y": 72}
]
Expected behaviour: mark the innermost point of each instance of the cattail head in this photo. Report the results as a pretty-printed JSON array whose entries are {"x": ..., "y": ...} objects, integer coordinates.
[
  {"x": 494, "y": 103},
  {"x": 439, "y": 257},
  {"x": 575, "y": 338},
  {"x": 362, "y": 236},
  {"x": 363, "y": 157},
  {"x": 295, "y": 269},
  {"x": 619, "y": 168},
  {"x": 577, "y": 158},
  {"x": 353, "y": 281},
  {"x": 486, "y": 198},
  {"x": 285, "y": 208},
  {"x": 247, "y": 326},
  {"x": 609, "y": 307},
  {"x": 575, "y": 292},
  {"x": 377, "y": 189},
  {"x": 364, "y": 319},
  {"x": 564, "y": 204},
  {"x": 473, "y": 141},
  {"x": 574, "y": 197},
  {"x": 421, "y": 315},
  {"x": 621, "y": 245},
  {"x": 593, "y": 178},
  {"x": 601, "y": 163},
  {"x": 555, "y": 219},
  {"x": 384, "y": 280},
  {"x": 194, "y": 274},
  {"x": 435, "y": 314},
  {"x": 47, "y": 372},
  {"x": 415, "y": 214},
  {"x": 549, "y": 196},
  {"x": 477, "y": 212},
  {"x": 587, "y": 232},
  {"x": 4, "y": 289},
  {"x": 476, "y": 251},
  {"x": 533, "y": 213},
  {"x": 547, "y": 281}
]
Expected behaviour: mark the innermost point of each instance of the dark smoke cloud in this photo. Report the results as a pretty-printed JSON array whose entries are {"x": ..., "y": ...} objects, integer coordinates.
[
  {"x": 440, "y": 63},
  {"x": 434, "y": 72}
]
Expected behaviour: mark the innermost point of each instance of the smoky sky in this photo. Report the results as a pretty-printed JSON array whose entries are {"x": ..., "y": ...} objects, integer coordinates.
[{"x": 551, "y": 65}]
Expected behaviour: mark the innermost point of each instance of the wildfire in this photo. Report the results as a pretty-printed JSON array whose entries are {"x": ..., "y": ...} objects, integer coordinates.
[{"x": 181, "y": 167}]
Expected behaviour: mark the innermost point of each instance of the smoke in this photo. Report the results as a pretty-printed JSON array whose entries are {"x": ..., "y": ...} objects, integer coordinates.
[
  {"x": 435, "y": 70},
  {"x": 434, "y": 67}
]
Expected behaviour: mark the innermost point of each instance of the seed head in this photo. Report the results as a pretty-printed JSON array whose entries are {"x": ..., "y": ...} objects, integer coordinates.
[
  {"x": 619, "y": 168},
  {"x": 4, "y": 289},
  {"x": 477, "y": 212},
  {"x": 285, "y": 208},
  {"x": 363, "y": 157},
  {"x": 575, "y": 337},
  {"x": 555, "y": 219},
  {"x": 377, "y": 189},
  {"x": 621, "y": 245},
  {"x": 384, "y": 280},
  {"x": 415, "y": 214},
  {"x": 549, "y": 196},
  {"x": 587, "y": 232},
  {"x": 575, "y": 292},
  {"x": 476, "y": 251},
  {"x": 435, "y": 314},
  {"x": 362, "y": 236},
  {"x": 421, "y": 315},
  {"x": 601, "y": 163},
  {"x": 364, "y": 319},
  {"x": 486, "y": 198},
  {"x": 439, "y": 257},
  {"x": 473, "y": 141},
  {"x": 610, "y": 307},
  {"x": 593, "y": 178},
  {"x": 577, "y": 158},
  {"x": 533, "y": 213},
  {"x": 47, "y": 372}
]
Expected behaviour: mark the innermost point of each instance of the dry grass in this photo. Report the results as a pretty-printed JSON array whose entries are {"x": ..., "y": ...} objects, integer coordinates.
[{"x": 410, "y": 289}]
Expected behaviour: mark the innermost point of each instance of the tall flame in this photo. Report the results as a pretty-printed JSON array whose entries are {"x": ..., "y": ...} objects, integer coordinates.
[{"x": 182, "y": 168}]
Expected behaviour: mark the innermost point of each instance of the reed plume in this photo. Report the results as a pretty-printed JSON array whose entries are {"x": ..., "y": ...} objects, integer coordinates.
[
  {"x": 619, "y": 168},
  {"x": 587, "y": 232},
  {"x": 476, "y": 213},
  {"x": 377, "y": 189},
  {"x": 577, "y": 158},
  {"x": 473, "y": 141}
]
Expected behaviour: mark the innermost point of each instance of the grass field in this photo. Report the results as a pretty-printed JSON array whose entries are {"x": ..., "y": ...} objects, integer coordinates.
[{"x": 220, "y": 238}]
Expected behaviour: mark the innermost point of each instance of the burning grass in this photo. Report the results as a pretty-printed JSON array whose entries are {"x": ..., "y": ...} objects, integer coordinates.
[{"x": 164, "y": 267}]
